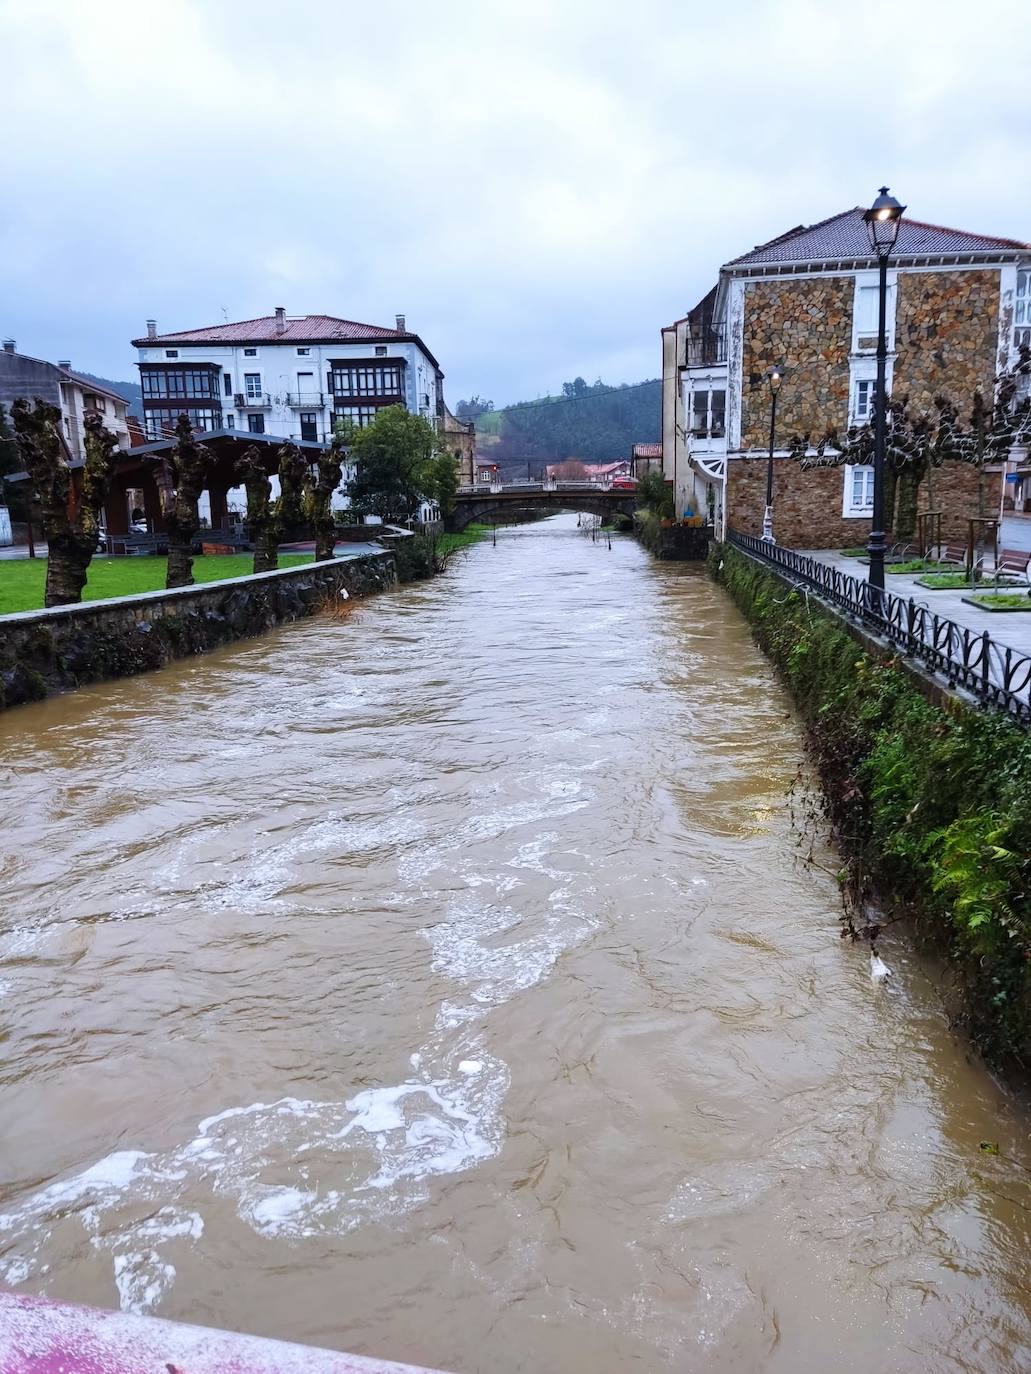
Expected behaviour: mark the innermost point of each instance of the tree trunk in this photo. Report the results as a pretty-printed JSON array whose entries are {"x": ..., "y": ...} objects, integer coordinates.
[
  {"x": 261, "y": 520},
  {"x": 891, "y": 484},
  {"x": 68, "y": 561},
  {"x": 180, "y": 550},
  {"x": 180, "y": 480},
  {"x": 266, "y": 546},
  {"x": 909, "y": 486},
  {"x": 71, "y": 516}
]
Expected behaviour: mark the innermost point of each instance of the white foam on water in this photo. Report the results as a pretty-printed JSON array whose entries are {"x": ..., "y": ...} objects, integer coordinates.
[{"x": 335, "y": 1164}]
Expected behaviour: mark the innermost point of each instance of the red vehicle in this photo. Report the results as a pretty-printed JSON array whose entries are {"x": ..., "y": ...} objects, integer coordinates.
[{"x": 624, "y": 483}]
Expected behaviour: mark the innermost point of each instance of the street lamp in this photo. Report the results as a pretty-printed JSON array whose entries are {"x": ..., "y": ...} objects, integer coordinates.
[
  {"x": 882, "y": 224},
  {"x": 774, "y": 377}
]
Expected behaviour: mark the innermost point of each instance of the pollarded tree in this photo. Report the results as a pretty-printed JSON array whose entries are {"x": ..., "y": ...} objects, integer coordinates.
[
  {"x": 261, "y": 517},
  {"x": 393, "y": 460},
  {"x": 181, "y": 476},
  {"x": 71, "y": 520},
  {"x": 289, "y": 504},
  {"x": 318, "y": 491}
]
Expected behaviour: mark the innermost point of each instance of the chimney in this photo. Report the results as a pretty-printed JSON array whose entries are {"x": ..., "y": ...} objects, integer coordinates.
[
  {"x": 9, "y": 346},
  {"x": 152, "y": 329},
  {"x": 280, "y": 319},
  {"x": 64, "y": 362},
  {"x": 400, "y": 324}
]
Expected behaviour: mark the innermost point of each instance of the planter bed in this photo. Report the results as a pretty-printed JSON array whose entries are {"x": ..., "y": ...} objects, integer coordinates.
[
  {"x": 959, "y": 582},
  {"x": 984, "y": 603}
]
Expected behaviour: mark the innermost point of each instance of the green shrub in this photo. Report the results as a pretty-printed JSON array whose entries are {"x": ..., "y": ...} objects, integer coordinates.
[{"x": 932, "y": 807}]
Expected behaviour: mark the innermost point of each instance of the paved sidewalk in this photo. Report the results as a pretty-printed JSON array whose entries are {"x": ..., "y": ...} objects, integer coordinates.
[{"x": 1007, "y": 629}]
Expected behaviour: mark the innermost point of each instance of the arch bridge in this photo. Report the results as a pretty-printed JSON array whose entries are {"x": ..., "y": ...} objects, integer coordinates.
[{"x": 480, "y": 503}]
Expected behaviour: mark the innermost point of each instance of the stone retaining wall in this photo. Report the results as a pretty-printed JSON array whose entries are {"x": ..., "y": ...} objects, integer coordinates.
[{"x": 42, "y": 652}]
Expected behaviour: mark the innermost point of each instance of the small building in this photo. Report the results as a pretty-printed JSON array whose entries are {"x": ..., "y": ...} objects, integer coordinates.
[
  {"x": 290, "y": 376},
  {"x": 486, "y": 470},
  {"x": 459, "y": 439},
  {"x": 645, "y": 458},
  {"x": 959, "y": 308},
  {"x": 74, "y": 394}
]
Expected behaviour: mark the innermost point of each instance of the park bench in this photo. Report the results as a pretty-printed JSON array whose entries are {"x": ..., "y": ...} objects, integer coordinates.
[
  {"x": 138, "y": 543},
  {"x": 226, "y": 536},
  {"x": 1013, "y": 561}
]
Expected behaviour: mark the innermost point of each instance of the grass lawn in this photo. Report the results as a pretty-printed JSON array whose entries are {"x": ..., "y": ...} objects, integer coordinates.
[
  {"x": 22, "y": 579},
  {"x": 1001, "y": 601},
  {"x": 958, "y": 581}
]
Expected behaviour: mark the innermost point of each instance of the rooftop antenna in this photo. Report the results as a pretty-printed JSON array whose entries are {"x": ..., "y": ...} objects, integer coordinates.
[{"x": 225, "y": 315}]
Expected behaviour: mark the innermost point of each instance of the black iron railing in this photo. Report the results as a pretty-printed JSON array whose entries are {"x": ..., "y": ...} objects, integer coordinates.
[{"x": 997, "y": 676}]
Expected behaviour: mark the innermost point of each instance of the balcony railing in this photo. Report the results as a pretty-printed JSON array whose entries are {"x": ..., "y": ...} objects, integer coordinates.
[
  {"x": 705, "y": 348},
  {"x": 258, "y": 400},
  {"x": 995, "y": 675},
  {"x": 305, "y": 400}
]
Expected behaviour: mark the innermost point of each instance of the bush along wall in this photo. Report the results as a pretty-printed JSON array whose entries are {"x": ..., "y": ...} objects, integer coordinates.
[{"x": 929, "y": 804}]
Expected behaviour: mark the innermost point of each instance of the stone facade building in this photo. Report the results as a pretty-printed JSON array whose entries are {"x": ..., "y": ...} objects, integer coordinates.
[
  {"x": 74, "y": 395},
  {"x": 959, "y": 307}
]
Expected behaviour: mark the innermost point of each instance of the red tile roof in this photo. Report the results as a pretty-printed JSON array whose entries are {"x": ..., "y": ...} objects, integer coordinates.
[
  {"x": 844, "y": 236},
  {"x": 298, "y": 329}
]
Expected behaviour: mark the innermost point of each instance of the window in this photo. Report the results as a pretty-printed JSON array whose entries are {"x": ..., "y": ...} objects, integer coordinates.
[
  {"x": 256, "y": 424},
  {"x": 230, "y": 421},
  {"x": 160, "y": 422},
  {"x": 309, "y": 425},
  {"x": 366, "y": 379},
  {"x": 858, "y": 495},
  {"x": 250, "y": 352},
  {"x": 865, "y": 308},
  {"x": 227, "y": 383},
  {"x": 252, "y": 385},
  {"x": 170, "y": 383},
  {"x": 863, "y": 402},
  {"x": 95, "y": 403},
  {"x": 359, "y": 416},
  {"x": 1022, "y": 309},
  {"x": 303, "y": 352},
  {"x": 708, "y": 412},
  {"x": 381, "y": 350},
  {"x": 171, "y": 352}
]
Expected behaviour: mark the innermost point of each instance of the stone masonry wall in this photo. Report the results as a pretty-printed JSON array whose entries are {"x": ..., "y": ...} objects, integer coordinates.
[
  {"x": 42, "y": 652},
  {"x": 807, "y": 505},
  {"x": 946, "y": 338},
  {"x": 806, "y": 325}
]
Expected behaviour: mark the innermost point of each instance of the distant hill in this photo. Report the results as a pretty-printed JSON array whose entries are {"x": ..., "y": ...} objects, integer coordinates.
[
  {"x": 597, "y": 423},
  {"x": 130, "y": 390}
]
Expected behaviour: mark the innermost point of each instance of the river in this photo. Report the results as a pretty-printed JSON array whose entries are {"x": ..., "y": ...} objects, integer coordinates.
[{"x": 444, "y": 984}]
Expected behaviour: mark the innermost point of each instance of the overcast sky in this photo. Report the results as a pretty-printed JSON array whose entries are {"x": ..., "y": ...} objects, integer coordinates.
[{"x": 538, "y": 187}]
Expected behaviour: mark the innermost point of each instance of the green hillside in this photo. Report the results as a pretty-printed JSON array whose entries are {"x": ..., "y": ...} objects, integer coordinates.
[{"x": 598, "y": 423}]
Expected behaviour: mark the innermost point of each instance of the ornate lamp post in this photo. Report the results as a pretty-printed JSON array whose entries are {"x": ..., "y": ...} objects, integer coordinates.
[
  {"x": 774, "y": 377},
  {"x": 882, "y": 224}
]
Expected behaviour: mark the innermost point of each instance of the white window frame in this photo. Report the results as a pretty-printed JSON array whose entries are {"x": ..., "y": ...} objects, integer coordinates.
[
  {"x": 866, "y": 280},
  {"x": 252, "y": 393},
  {"x": 856, "y": 415},
  {"x": 171, "y": 352},
  {"x": 1022, "y": 307},
  {"x": 304, "y": 352},
  {"x": 849, "y": 510},
  {"x": 250, "y": 352}
]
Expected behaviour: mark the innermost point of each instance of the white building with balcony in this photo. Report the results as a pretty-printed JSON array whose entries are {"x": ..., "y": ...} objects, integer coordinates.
[{"x": 290, "y": 376}]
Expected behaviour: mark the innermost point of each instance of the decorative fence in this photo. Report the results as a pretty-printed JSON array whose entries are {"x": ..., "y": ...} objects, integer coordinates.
[{"x": 997, "y": 676}]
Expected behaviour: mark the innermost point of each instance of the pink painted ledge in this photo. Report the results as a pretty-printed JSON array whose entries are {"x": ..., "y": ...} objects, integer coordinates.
[{"x": 42, "y": 1337}]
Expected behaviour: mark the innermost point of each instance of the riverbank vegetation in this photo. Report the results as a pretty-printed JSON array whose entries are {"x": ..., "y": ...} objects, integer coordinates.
[{"x": 930, "y": 807}]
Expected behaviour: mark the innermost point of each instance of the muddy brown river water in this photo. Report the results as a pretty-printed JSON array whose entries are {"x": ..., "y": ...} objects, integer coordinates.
[{"x": 444, "y": 985}]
